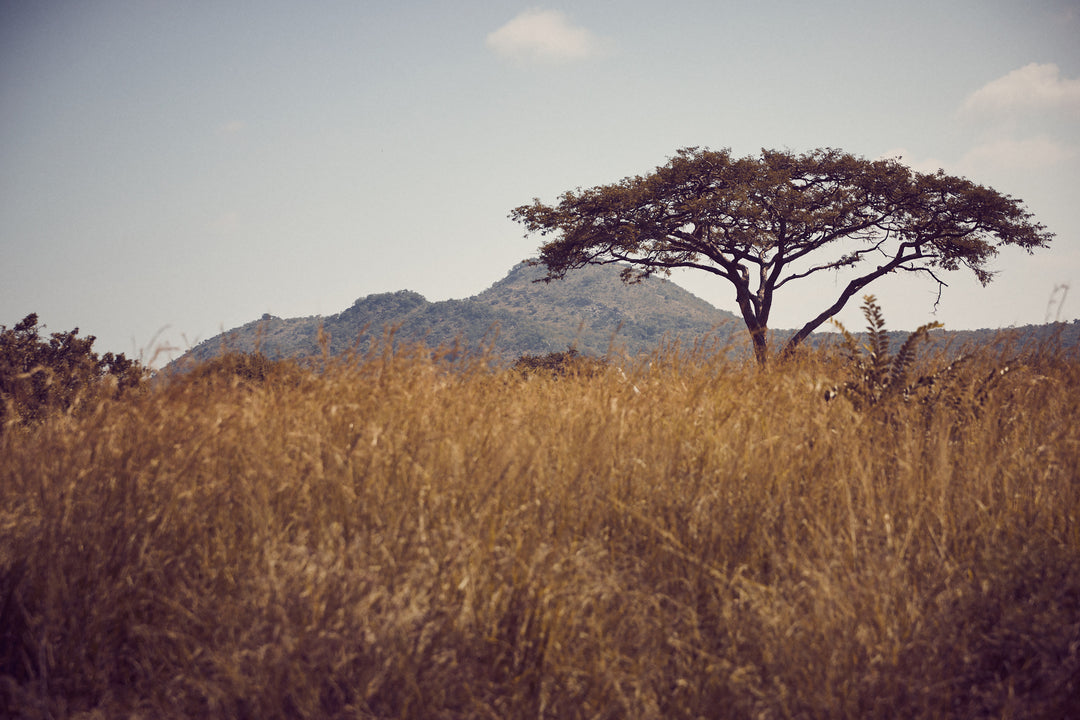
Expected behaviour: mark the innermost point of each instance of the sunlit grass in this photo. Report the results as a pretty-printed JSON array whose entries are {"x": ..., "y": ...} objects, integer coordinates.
[{"x": 686, "y": 537}]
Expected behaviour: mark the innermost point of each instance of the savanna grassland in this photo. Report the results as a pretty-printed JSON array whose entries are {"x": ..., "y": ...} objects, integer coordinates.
[{"x": 395, "y": 536}]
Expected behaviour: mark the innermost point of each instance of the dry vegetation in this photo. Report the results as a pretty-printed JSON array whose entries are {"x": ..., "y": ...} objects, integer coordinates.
[{"x": 691, "y": 537}]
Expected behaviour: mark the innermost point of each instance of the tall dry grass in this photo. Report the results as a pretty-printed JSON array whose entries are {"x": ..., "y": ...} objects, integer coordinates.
[{"x": 693, "y": 537}]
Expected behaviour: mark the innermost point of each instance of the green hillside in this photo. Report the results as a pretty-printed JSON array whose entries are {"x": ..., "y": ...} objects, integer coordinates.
[{"x": 591, "y": 309}]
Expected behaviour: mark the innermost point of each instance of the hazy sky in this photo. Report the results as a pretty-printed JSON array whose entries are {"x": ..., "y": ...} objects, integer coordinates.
[{"x": 172, "y": 169}]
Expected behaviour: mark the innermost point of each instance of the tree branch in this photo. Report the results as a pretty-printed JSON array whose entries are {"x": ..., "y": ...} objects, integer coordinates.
[
  {"x": 940, "y": 283},
  {"x": 849, "y": 260},
  {"x": 737, "y": 217},
  {"x": 852, "y": 287}
]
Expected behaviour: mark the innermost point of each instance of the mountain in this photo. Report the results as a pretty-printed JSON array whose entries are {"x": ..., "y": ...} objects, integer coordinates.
[{"x": 591, "y": 309}]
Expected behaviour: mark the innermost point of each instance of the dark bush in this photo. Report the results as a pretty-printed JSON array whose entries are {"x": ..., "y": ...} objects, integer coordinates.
[
  {"x": 39, "y": 377},
  {"x": 243, "y": 368},
  {"x": 558, "y": 364}
]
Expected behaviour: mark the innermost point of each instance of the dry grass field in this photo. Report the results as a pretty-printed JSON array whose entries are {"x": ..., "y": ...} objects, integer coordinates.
[{"x": 689, "y": 537}]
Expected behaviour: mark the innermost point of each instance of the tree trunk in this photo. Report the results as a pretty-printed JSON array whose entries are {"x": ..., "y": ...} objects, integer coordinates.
[{"x": 760, "y": 337}]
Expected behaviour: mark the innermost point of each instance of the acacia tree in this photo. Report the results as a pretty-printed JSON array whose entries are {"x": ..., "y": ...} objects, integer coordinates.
[{"x": 763, "y": 222}]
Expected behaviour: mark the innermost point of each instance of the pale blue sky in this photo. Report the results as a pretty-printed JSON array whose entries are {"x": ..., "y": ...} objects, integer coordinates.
[{"x": 174, "y": 169}]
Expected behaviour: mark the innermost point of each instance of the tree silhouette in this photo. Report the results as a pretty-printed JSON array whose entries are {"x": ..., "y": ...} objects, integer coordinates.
[{"x": 763, "y": 222}]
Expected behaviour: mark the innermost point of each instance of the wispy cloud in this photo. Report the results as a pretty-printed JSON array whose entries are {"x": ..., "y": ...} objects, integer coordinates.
[
  {"x": 1023, "y": 121},
  {"x": 232, "y": 128},
  {"x": 545, "y": 36},
  {"x": 994, "y": 156},
  {"x": 1032, "y": 153},
  {"x": 1036, "y": 88}
]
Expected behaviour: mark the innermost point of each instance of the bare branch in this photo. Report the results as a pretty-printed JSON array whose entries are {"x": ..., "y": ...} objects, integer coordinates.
[
  {"x": 849, "y": 260},
  {"x": 940, "y": 283},
  {"x": 769, "y": 212}
]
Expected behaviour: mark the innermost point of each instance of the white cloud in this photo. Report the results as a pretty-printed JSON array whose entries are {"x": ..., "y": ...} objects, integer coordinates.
[
  {"x": 545, "y": 36},
  {"x": 1022, "y": 122},
  {"x": 1033, "y": 153},
  {"x": 993, "y": 157},
  {"x": 1032, "y": 88}
]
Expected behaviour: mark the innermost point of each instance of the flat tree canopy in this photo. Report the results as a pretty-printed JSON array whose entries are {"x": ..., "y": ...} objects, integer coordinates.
[{"x": 763, "y": 222}]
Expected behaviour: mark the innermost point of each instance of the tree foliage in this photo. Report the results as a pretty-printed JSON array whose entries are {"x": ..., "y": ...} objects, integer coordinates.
[
  {"x": 763, "y": 222},
  {"x": 39, "y": 376}
]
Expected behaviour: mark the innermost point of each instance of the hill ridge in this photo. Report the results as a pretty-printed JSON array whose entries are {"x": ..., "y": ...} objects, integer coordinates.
[{"x": 591, "y": 309}]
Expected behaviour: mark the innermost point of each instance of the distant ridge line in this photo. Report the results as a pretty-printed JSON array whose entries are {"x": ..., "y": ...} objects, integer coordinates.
[{"x": 591, "y": 309}]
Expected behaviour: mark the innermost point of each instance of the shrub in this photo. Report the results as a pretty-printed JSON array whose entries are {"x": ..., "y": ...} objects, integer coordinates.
[
  {"x": 39, "y": 377},
  {"x": 875, "y": 374},
  {"x": 878, "y": 379},
  {"x": 240, "y": 368},
  {"x": 560, "y": 363}
]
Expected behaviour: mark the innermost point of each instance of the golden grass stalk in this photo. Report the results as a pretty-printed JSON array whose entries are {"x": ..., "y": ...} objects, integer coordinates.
[{"x": 688, "y": 537}]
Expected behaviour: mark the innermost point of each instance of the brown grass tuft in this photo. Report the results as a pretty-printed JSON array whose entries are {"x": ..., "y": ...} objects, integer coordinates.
[{"x": 691, "y": 537}]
